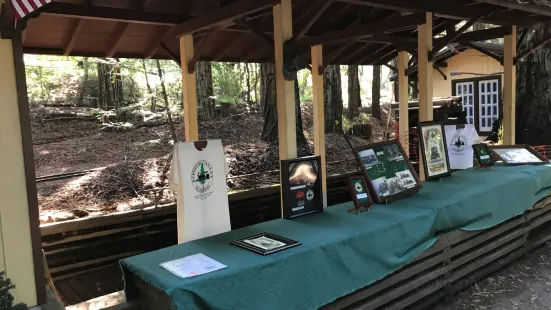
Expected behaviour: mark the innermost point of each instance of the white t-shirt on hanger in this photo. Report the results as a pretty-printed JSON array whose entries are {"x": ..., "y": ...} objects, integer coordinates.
[
  {"x": 199, "y": 178},
  {"x": 460, "y": 141}
]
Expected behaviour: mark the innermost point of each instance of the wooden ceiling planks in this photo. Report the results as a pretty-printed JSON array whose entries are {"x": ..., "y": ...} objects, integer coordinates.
[{"x": 132, "y": 28}]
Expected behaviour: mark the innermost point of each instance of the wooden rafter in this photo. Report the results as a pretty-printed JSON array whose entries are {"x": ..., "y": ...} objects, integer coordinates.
[
  {"x": 314, "y": 13},
  {"x": 450, "y": 37},
  {"x": 481, "y": 35},
  {"x": 484, "y": 51},
  {"x": 253, "y": 27},
  {"x": 120, "y": 30},
  {"x": 224, "y": 49},
  {"x": 359, "y": 51},
  {"x": 448, "y": 9},
  {"x": 72, "y": 40},
  {"x": 435, "y": 66},
  {"x": 367, "y": 30},
  {"x": 391, "y": 67},
  {"x": 110, "y": 14},
  {"x": 222, "y": 17},
  {"x": 171, "y": 54}
]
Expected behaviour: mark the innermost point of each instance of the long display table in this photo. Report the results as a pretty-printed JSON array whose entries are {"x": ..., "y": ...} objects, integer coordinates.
[{"x": 341, "y": 252}]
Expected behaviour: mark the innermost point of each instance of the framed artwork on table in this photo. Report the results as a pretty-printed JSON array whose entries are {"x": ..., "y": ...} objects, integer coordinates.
[
  {"x": 301, "y": 182},
  {"x": 483, "y": 155},
  {"x": 434, "y": 150},
  {"x": 514, "y": 155},
  {"x": 387, "y": 170},
  {"x": 357, "y": 186},
  {"x": 265, "y": 243}
]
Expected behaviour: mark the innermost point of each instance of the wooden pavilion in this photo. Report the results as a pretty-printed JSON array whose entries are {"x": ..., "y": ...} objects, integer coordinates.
[{"x": 354, "y": 32}]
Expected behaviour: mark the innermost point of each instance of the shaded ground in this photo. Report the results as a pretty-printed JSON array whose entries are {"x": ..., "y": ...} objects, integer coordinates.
[
  {"x": 137, "y": 160},
  {"x": 525, "y": 284}
]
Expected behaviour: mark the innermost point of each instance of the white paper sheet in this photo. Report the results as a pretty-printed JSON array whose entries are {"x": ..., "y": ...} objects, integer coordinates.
[{"x": 191, "y": 266}]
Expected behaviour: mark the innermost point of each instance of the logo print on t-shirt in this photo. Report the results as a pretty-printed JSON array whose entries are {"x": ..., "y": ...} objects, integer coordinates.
[
  {"x": 310, "y": 195},
  {"x": 202, "y": 176},
  {"x": 459, "y": 143}
]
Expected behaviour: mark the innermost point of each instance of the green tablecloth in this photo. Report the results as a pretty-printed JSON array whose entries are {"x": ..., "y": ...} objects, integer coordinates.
[{"x": 341, "y": 252}]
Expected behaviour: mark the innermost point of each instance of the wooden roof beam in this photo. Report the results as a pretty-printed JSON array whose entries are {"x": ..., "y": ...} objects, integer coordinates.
[
  {"x": 253, "y": 27},
  {"x": 450, "y": 37},
  {"x": 484, "y": 51},
  {"x": 76, "y": 29},
  {"x": 367, "y": 30},
  {"x": 197, "y": 52},
  {"x": 315, "y": 11},
  {"x": 481, "y": 35},
  {"x": 120, "y": 30},
  {"x": 110, "y": 14},
  {"x": 222, "y": 17}
]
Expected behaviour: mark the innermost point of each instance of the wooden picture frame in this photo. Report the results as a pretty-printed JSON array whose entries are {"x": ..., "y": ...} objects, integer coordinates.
[
  {"x": 483, "y": 155},
  {"x": 522, "y": 150},
  {"x": 254, "y": 243},
  {"x": 360, "y": 194},
  {"x": 438, "y": 152},
  {"x": 401, "y": 160},
  {"x": 301, "y": 189}
]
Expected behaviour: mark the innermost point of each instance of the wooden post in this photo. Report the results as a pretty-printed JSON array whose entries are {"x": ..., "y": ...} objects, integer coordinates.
[
  {"x": 189, "y": 90},
  {"x": 509, "y": 86},
  {"x": 285, "y": 90},
  {"x": 424, "y": 34},
  {"x": 403, "y": 98},
  {"x": 319, "y": 116}
]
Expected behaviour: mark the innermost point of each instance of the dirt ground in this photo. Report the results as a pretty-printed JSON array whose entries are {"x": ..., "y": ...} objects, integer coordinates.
[
  {"x": 135, "y": 162},
  {"x": 525, "y": 284}
]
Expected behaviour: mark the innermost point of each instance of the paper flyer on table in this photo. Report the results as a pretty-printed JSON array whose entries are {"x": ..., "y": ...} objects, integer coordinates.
[{"x": 191, "y": 266}]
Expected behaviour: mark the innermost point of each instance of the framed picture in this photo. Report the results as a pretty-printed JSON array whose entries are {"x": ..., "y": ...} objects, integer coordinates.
[
  {"x": 265, "y": 243},
  {"x": 388, "y": 171},
  {"x": 301, "y": 186},
  {"x": 434, "y": 150},
  {"x": 483, "y": 155},
  {"x": 518, "y": 155},
  {"x": 357, "y": 186}
]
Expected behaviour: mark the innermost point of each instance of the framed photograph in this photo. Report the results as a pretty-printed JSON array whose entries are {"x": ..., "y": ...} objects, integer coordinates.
[
  {"x": 483, "y": 155},
  {"x": 387, "y": 170},
  {"x": 518, "y": 155},
  {"x": 357, "y": 186},
  {"x": 434, "y": 150},
  {"x": 265, "y": 243},
  {"x": 301, "y": 186}
]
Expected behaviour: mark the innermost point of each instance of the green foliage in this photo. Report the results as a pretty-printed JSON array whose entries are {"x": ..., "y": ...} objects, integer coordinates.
[
  {"x": 305, "y": 85},
  {"x": 226, "y": 84},
  {"x": 6, "y": 299},
  {"x": 500, "y": 135}
]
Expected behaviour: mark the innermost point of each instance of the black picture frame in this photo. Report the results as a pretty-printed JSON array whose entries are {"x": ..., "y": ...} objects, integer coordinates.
[
  {"x": 360, "y": 195},
  {"x": 409, "y": 171},
  {"x": 483, "y": 155},
  {"x": 438, "y": 126},
  {"x": 301, "y": 195},
  {"x": 507, "y": 160},
  {"x": 254, "y": 245}
]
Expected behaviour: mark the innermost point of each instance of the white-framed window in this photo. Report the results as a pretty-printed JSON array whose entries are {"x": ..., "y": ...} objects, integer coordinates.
[
  {"x": 488, "y": 103},
  {"x": 465, "y": 90}
]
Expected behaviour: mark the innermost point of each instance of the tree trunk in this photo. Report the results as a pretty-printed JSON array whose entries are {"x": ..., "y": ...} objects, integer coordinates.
[
  {"x": 167, "y": 107},
  {"x": 332, "y": 99},
  {"x": 205, "y": 103},
  {"x": 414, "y": 90},
  {"x": 149, "y": 91},
  {"x": 301, "y": 139},
  {"x": 248, "y": 76},
  {"x": 376, "y": 93},
  {"x": 395, "y": 84},
  {"x": 354, "y": 97},
  {"x": 255, "y": 85},
  {"x": 533, "y": 85},
  {"x": 82, "y": 89},
  {"x": 268, "y": 102}
]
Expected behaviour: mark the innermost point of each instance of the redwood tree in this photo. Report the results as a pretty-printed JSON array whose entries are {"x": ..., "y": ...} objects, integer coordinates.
[
  {"x": 205, "y": 103},
  {"x": 354, "y": 97},
  {"x": 376, "y": 93},
  {"x": 332, "y": 98}
]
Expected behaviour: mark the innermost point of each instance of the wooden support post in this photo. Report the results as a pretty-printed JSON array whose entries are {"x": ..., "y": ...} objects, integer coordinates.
[
  {"x": 285, "y": 90},
  {"x": 509, "y": 86},
  {"x": 424, "y": 34},
  {"x": 403, "y": 98},
  {"x": 188, "y": 88},
  {"x": 319, "y": 116}
]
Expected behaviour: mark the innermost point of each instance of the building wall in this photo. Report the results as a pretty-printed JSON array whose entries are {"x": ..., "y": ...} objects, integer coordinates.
[
  {"x": 16, "y": 257},
  {"x": 468, "y": 61}
]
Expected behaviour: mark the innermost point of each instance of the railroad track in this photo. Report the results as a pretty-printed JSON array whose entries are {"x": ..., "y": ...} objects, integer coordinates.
[{"x": 54, "y": 177}]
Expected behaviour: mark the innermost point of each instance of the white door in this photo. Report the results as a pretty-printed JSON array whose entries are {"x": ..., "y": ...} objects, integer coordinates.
[
  {"x": 465, "y": 90},
  {"x": 488, "y": 99}
]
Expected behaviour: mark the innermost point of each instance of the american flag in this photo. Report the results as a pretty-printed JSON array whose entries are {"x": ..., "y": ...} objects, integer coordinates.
[{"x": 25, "y": 7}]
